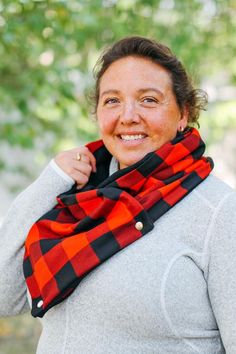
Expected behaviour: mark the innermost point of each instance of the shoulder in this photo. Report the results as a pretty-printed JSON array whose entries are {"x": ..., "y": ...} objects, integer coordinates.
[
  {"x": 212, "y": 201},
  {"x": 222, "y": 199},
  {"x": 215, "y": 192}
]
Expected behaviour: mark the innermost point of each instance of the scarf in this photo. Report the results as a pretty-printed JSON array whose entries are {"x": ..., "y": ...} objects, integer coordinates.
[{"x": 88, "y": 226}]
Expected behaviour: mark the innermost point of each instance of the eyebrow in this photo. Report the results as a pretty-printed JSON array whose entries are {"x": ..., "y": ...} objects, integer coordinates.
[
  {"x": 116, "y": 92},
  {"x": 146, "y": 89},
  {"x": 142, "y": 90}
]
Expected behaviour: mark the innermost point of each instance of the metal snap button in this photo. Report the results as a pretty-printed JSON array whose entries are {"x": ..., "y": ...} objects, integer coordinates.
[
  {"x": 139, "y": 225},
  {"x": 40, "y": 303}
]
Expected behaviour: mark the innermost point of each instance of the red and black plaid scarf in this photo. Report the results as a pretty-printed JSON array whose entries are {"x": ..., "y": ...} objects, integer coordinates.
[{"x": 88, "y": 226}]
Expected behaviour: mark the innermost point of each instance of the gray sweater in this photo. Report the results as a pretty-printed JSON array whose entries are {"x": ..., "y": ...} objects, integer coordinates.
[{"x": 173, "y": 291}]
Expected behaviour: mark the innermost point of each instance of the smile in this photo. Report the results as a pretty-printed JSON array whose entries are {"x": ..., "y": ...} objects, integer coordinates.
[{"x": 132, "y": 137}]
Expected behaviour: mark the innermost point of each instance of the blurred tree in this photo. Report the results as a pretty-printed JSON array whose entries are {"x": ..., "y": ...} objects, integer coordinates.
[{"x": 48, "y": 49}]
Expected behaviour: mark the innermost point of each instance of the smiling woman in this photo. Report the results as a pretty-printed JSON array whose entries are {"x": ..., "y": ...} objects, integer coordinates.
[{"x": 136, "y": 252}]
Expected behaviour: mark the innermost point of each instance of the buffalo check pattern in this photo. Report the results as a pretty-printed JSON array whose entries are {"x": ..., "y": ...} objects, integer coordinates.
[{"x": 88, "y": 226}]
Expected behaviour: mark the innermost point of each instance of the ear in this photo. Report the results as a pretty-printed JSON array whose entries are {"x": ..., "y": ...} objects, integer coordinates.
[{"x": 183, "y": 122}]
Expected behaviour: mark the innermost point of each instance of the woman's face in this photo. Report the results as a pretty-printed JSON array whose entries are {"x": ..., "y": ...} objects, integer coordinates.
[{"x": 137, "y": 111}]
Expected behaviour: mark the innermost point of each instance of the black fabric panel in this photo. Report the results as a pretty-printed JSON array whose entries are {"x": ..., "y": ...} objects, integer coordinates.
[
  {"x": 47, "y": 244},
  {"x": 65, "y": 275},
  {"x": 105, "y": 246}
]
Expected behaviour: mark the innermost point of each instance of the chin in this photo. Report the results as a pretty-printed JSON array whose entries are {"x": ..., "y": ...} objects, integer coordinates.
[{"x": 127, "y": 163}]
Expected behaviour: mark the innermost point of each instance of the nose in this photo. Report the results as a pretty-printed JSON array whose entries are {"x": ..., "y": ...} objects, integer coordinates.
[{"x": 129, "y": 113}]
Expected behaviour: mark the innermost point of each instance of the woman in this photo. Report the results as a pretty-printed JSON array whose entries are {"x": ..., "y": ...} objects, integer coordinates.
[{"x": 137, "y": 255}]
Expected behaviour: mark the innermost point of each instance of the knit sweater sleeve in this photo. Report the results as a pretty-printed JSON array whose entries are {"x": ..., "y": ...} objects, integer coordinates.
[
  {"x": 222, "y": 270},
  {"x": 32, "y": 203}
]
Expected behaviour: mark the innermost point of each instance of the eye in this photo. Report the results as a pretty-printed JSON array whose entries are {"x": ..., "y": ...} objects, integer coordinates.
[
  {"x": 149, "y": 100},
  {"x": 111, "y": 100}
]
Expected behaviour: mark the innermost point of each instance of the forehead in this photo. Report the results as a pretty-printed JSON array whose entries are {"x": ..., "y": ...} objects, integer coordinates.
[{"x": 133, "y": 71}]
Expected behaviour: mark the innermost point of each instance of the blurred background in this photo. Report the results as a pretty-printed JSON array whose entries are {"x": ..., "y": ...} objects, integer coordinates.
[{"x": 48, "y": 50}]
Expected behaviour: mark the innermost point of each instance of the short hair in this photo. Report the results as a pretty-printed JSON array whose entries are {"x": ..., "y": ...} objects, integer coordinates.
[{"x": 186, "y": 96}]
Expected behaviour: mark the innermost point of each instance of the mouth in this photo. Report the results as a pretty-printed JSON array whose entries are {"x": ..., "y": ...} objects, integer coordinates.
[{"x": 132, "y": 137}]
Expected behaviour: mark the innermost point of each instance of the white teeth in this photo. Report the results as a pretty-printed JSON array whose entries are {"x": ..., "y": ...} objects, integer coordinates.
[{"x": 132, "y": 137}]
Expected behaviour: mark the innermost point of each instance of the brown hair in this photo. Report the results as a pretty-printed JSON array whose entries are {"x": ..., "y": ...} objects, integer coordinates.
[{"x": 186, "y": 96}]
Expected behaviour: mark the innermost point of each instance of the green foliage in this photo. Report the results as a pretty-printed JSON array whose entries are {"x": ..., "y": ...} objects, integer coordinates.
[
  {"x": 48, "y": 49},
  {"x": 19, "y": 334}
]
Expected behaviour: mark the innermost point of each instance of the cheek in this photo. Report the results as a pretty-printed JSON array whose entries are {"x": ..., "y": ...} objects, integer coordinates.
[
  {"x": 163, "y": 128},
  {"x": 104, "y": 126},
  {"x": 157, "y": 124},
  {"x": 106, "y": 123}
]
